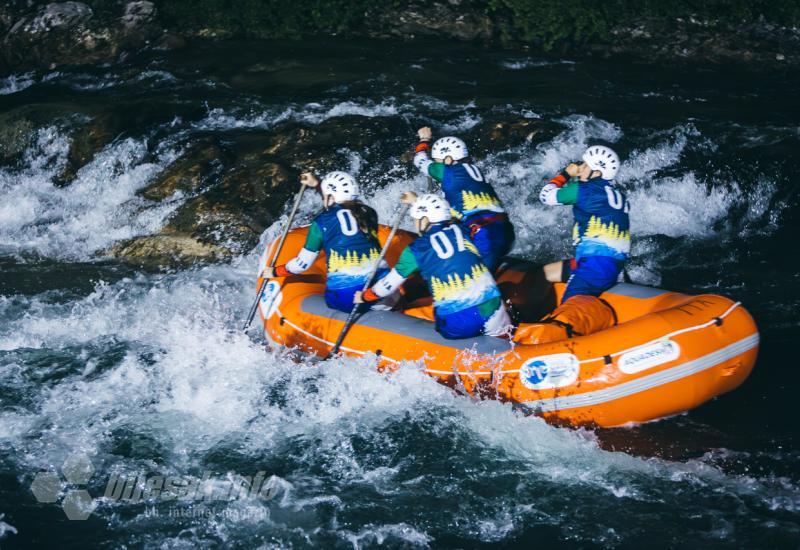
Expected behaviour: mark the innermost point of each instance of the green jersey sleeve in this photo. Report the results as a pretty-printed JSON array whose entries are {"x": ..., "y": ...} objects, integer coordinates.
[
  {"x": 569, "y": 193},
  {"x": 314, "y": 239},
  {"x": 436, "y": 171},
  {"x": 407, "y": 264}
]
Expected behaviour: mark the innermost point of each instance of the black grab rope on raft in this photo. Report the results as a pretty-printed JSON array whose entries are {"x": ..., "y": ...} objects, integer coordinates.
[
  {"x": 611, "y": 308},
  {"x": 566, "y": 326}
]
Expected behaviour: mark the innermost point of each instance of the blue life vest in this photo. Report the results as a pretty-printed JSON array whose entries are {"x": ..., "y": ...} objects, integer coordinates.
[
  {"x": 351, "y": 253},
  {"x": 467, "y": 192},
  {"x": 602, "y": 227},
  {"x": 451, "y": 265}
]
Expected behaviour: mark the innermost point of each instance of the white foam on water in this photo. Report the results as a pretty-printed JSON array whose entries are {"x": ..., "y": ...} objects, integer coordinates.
[
  {"x": 97, "y": 209},
  {"x": 257, "y": 116},
  {"x": 197, "y": 387},
  {"x": 16, "y": 83},
  {"x": 675, "y": 206},
  {"x": 193, "y": 383},
  {"x": 379, "y": 534},
  {"x": 6, "y": 528},
  {"x": 527, "y": 63}
]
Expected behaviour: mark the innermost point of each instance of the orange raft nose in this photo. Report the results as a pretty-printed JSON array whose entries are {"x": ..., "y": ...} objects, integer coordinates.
[{"x": 669, "y": 352}]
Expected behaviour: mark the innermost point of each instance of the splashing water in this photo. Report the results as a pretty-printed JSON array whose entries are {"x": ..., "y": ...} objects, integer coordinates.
[
  {"x": 149, "y": 374},
  {"x": 99, "y": 208}
]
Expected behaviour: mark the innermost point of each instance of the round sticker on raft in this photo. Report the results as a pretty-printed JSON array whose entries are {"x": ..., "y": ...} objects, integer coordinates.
[
  {"x": 649, "y": 356},
  {"x": 271, "y": 299},
  {"x": 549, "y": 371}
]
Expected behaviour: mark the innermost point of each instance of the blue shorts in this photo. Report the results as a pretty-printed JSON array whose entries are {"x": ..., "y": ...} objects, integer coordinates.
[
  {"x": 342, "y": 298},
  {"x": 592, "y": 276},
  {"x": 493, "y": 240},
  {"x": 466, "y": 323}
]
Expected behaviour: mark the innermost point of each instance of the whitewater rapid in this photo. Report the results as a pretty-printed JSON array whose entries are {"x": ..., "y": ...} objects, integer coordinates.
[{"x": 158, "y": 359}]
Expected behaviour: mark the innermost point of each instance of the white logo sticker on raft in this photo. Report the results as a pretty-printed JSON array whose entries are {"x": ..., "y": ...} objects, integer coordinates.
[
  {"x": 549, "y": 371},
  {"x": 271, "y": 298},
  {"x": 649, "y": 356}
]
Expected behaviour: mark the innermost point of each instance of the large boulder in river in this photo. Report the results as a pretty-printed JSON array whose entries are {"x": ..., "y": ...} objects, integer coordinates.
[
  {"x": 494, "y": 136},
  {"x": 73, "y": 33},
  {"x": 98, "y": 128},
  {"x": 168, "y": 248},
  {"x": 236, "y": 184},
  {"x": 194, "y": 169},
  {"x": 233, "y": 193}
]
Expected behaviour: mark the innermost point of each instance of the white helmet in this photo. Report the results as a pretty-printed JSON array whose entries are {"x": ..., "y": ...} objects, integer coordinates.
[
  {"x": 449, "y": 147},
  {"x": 431, "y": 206},
  {"x": 341, "y": 185},
  {"x": 600, "y": 157}
]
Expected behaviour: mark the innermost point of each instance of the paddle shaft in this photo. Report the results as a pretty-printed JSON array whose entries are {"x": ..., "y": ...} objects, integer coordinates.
[
  {"x": 274, "y": 259},
  {"x": 351, "y": 319}
]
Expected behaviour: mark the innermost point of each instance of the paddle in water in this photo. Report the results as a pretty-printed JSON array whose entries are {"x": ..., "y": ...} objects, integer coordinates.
[
  {"x": 265, "y": 280},
  {"x": 351, "y": 318}
]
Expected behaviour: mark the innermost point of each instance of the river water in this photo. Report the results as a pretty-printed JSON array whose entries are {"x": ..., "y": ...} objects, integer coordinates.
[{"x": 149, "y": 374}]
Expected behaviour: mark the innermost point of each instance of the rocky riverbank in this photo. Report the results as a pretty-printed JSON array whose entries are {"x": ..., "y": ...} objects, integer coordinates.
[
  {"x": 38, "y": 35},
  {"x": 73, "y": 33}
]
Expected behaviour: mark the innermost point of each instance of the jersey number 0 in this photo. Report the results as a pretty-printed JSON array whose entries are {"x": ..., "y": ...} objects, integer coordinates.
[
  {"x": 442, "y": 244},
  {"x": 347, "y": 222}
]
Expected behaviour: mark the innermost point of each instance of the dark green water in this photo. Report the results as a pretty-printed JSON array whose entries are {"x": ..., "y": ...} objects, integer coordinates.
[{"x": 149, "y": 374}]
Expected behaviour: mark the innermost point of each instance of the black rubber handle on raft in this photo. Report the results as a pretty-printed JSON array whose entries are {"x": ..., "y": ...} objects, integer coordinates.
[
  {"x": 274, "y": 259},
  {"x": 354, "y": 313}
]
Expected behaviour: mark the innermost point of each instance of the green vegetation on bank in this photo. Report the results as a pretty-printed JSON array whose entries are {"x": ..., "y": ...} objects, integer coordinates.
[
  {"x": 277, "y": 19},
  {"x": 575, "y": 22},
  {"x": 548, "y": 23}
]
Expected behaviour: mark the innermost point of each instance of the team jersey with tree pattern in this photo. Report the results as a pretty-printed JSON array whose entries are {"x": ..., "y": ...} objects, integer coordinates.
[
  {"x": 602, "y": 226},
  {"x": 351, "y": 253},
  {"x": 465, "y": 189},
  {"x": 450, "y": 264}
]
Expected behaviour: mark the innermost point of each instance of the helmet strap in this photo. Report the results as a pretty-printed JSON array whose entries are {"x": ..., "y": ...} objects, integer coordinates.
[{"x": 423, "y": 225}]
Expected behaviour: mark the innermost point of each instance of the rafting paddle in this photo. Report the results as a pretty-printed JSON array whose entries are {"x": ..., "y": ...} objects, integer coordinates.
[
  {"x": 351, "y": 319},
  {"x": 275, "y": 256}
]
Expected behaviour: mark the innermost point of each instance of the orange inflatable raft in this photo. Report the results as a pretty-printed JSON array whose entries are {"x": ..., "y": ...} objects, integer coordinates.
[{"x": 669, "y": 352}]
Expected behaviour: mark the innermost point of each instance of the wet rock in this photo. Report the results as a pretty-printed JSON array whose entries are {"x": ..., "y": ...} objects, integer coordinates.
[
  {"x": 167, "y": 249},
  {"x": 15, "y": 136},
  {"x": 86, "y": 143},
  {"x": 8, "y": 16},
  {"x": 197, "y": 166},
  {"x": 235, "y": 212},
  {"x": 238, "y": 192},
  {"x": 495, "y": 136},
  {"x": 138, "y": 13},
  {"x": 445, "y": 20},
  {"x": 103, "y": 127},
  {"x": 311, "y": 146},
  {"x": 58, "y": 16},
  {"x": 72, "y": 33},
  {"x": 18, "y": 126}
]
